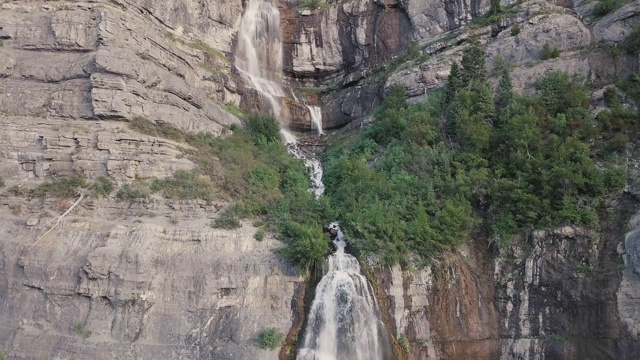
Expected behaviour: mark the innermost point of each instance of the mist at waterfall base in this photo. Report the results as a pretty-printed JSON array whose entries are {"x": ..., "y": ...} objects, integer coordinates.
[{"x": 344, "y": 322}]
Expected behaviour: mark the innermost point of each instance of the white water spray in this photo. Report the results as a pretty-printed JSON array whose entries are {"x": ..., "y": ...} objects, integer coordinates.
[
  {"x": 344, "y": 321},
  {"x": 316, "y": 118}
]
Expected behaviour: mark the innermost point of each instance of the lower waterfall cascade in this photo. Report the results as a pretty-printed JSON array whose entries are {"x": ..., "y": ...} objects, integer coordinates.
[{"x": 344, "y": 321}]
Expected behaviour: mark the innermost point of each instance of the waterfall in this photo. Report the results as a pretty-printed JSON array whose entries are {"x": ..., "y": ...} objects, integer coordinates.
[
  {"x": 259, "y": 54},
  {"x": 316, "y": 118},
  {"x": 344, "y": 322}
]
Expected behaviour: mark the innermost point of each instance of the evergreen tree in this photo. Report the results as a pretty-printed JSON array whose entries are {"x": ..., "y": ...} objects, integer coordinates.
[
  {"x": 504, "y": 93},
  {"x": 473, "y": 62},
  {"x": 396, "y": 98},
  {"x": 482, "y": 100},
  {"x": 454, "y": 83}
]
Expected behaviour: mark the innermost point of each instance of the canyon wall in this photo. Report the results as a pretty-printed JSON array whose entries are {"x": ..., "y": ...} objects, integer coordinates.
[{"x": 151, "y": 279}]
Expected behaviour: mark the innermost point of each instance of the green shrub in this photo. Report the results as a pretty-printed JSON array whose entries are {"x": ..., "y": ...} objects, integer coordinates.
[
  {"x": 269, "y": 338},
  {"x": 259, "y": 235},
  {"x": 559, "y": 92},
  {"x": 306, "y": 244},
  {"x": 234, "y": 109},
  {"x": 515, "y": 30},
  {"x": 632, "y": 42},
  {"x": 557, "y": 338},
  {"x": 263, "y": 127},
  {"x": 133, "y": 191},
  {"x": 80, "y": 330},
  {"x": 227, "y": 219},
  {"x": 631, "y": 87},
  {"x": 197, "y": 44},
  {"x": 404, "y": 342},
  {"x": 606, "y": 6},
  {"x": 102, "y": 186},
  {"x": 549, "y": 52},
  {"x": 185, "y": 184},
  {"x": 62, "y": 188}
]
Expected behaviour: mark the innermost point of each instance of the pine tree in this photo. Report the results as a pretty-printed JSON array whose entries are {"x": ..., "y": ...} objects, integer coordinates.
[
  {"x": 454, "y": 83},
  {"x": 483, "y": 103},
  {"x": 473, "y": 62},
  {"x": 504, "y": 93}
]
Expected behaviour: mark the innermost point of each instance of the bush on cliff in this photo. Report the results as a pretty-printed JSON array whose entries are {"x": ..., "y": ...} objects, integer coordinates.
[
  {"x": 253, "y": 170},
  {"x": 269, "y": 338}
]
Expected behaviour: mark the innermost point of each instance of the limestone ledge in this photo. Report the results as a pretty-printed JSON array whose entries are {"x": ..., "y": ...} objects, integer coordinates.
[{"x": 35, "y": 149}]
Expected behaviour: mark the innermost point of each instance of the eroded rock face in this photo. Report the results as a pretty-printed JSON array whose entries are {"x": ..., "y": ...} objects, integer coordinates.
[
  {"x": 118, "y": 60},
  {"x": 617, "y": 25},
  {"x": 540, "y": 22},
  {"x": 556, "y": 295},
  {"x": 629, "y": 292},
  {"x": 34, "y": 150},
  {"x": 352, "y": 39},
  {"x": 106, "y": 285},
  {"x": 434, "y": 17}
]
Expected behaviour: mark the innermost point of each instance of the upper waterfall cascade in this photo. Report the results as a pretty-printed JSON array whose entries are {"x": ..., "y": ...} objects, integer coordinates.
[
  {"x": 259, "y": 53},
  {"x": 259, "y": 58}
]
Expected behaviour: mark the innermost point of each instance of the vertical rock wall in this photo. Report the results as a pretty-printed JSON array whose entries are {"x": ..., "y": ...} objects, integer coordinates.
[{"x": 560, "y": 294}]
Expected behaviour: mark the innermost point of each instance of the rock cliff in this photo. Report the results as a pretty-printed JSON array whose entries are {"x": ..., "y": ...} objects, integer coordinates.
[{"x": 151, "y": 279}]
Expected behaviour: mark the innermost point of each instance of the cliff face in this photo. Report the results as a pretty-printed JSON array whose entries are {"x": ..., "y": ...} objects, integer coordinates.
[
  {"x": 152, "y": 280},
  {"x": 561, "y": 294},
  {"x": 118, "y": 280},
  {"x": 345, "y": 46},
  {"x": 111, "y": 283}
]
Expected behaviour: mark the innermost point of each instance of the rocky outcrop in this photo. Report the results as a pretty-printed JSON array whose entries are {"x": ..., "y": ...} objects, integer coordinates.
[
  {"x": 119, "y": 60},
  {"x": 110, "y": 284},
  {"x": 432, "y": 18},
  {"x": 617, "y": 25},
  {"x": 36, "y": 150},
  {"x": 560, "y": 294},
  {"x": 445, "y": 311},
  {"x": 343, "y": 46},
  {"x": 540, "y": 23}
]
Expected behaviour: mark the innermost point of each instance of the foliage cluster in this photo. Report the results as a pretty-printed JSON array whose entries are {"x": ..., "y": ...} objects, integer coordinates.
[
  {"x": 254, "y": 170},
  {"x": 549, "y": 52},
  {"x": 185, "y": 185},
  {"x": 419, "y": 179},
  {"x": 515, "y": 30},
  {"x": 234, "y": 109},
  {"x": 65, "y": 188},
  {"x": 632, "y": 42},
  {"x": 269, "y": 338},
  {"x": 496, "y": 13},
  {"x": 606, "y": 6}
]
